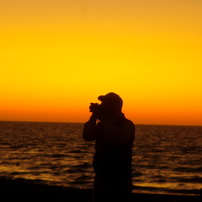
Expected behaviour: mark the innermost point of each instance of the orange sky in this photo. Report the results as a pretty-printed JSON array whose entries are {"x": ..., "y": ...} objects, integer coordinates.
[{"x": 57, "y": 56}]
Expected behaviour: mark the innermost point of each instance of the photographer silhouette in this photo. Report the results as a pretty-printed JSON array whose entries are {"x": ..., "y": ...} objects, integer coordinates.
[{"x": 114, "y": 135}]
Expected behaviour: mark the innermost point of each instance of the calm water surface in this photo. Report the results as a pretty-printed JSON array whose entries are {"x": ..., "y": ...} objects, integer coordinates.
[{"x": 166, "y": 159}]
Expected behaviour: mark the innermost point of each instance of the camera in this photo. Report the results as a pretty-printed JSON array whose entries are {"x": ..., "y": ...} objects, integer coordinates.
[{"x": 94, "y": 107}]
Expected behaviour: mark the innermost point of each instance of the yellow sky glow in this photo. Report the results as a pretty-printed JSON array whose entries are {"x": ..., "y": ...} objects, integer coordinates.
[{"x": 57, "y": 56}]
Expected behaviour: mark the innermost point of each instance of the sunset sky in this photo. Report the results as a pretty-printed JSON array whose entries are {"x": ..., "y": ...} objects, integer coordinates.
[{"x": 57, "y": 56}]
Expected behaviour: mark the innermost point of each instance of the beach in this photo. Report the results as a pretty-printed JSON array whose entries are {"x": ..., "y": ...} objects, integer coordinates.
[{"x": 32, "y": 190}]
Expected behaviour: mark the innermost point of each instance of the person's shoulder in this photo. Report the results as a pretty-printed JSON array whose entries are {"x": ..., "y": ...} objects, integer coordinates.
[
  {"x": 129, "y": 128},
  {"x": 129, "y": 122}
]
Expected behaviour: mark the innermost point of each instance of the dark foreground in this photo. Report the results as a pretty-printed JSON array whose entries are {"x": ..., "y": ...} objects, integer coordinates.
[{"x": 28, "y": 190}]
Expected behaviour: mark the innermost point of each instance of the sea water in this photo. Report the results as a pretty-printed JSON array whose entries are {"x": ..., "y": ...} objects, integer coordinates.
[{"x": 166, "y": 159}]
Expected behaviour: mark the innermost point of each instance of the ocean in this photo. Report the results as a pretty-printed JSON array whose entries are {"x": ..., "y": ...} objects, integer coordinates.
[{"x": 166, "y": 159}]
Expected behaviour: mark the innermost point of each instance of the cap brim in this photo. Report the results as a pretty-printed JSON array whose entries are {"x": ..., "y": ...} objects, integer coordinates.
[{"x": 101, "y": 98}]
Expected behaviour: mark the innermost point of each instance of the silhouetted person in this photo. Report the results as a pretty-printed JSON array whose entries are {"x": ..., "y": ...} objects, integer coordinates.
[{"x": 114, "y": 135}]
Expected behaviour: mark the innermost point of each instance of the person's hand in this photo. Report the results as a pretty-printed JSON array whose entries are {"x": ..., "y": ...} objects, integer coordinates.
[{"x": 92, "y": 108}]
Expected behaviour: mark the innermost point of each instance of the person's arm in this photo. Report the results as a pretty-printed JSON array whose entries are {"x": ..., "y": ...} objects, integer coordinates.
[
  {"x": 90, "y": 129},
  {"x": 120, "y": 135}
]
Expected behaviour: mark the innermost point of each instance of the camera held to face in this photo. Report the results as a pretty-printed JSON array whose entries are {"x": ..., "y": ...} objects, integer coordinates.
[{"x": 94, "y": 107}]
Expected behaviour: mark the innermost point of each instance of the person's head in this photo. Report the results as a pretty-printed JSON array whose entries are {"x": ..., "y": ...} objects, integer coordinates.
[{"x": 112, "y": 103}]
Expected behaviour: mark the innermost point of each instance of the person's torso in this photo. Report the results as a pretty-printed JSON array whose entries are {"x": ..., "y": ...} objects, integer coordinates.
[{"x": 109, "y": 157}]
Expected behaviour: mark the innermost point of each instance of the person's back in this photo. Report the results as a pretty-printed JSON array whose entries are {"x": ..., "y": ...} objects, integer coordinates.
[
  {"x": 114, "y": 135},
  {"x": 114, "y": 157}
]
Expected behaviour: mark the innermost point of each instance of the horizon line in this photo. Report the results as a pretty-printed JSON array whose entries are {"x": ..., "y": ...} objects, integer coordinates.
[{"x": 147, "y": 124}]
